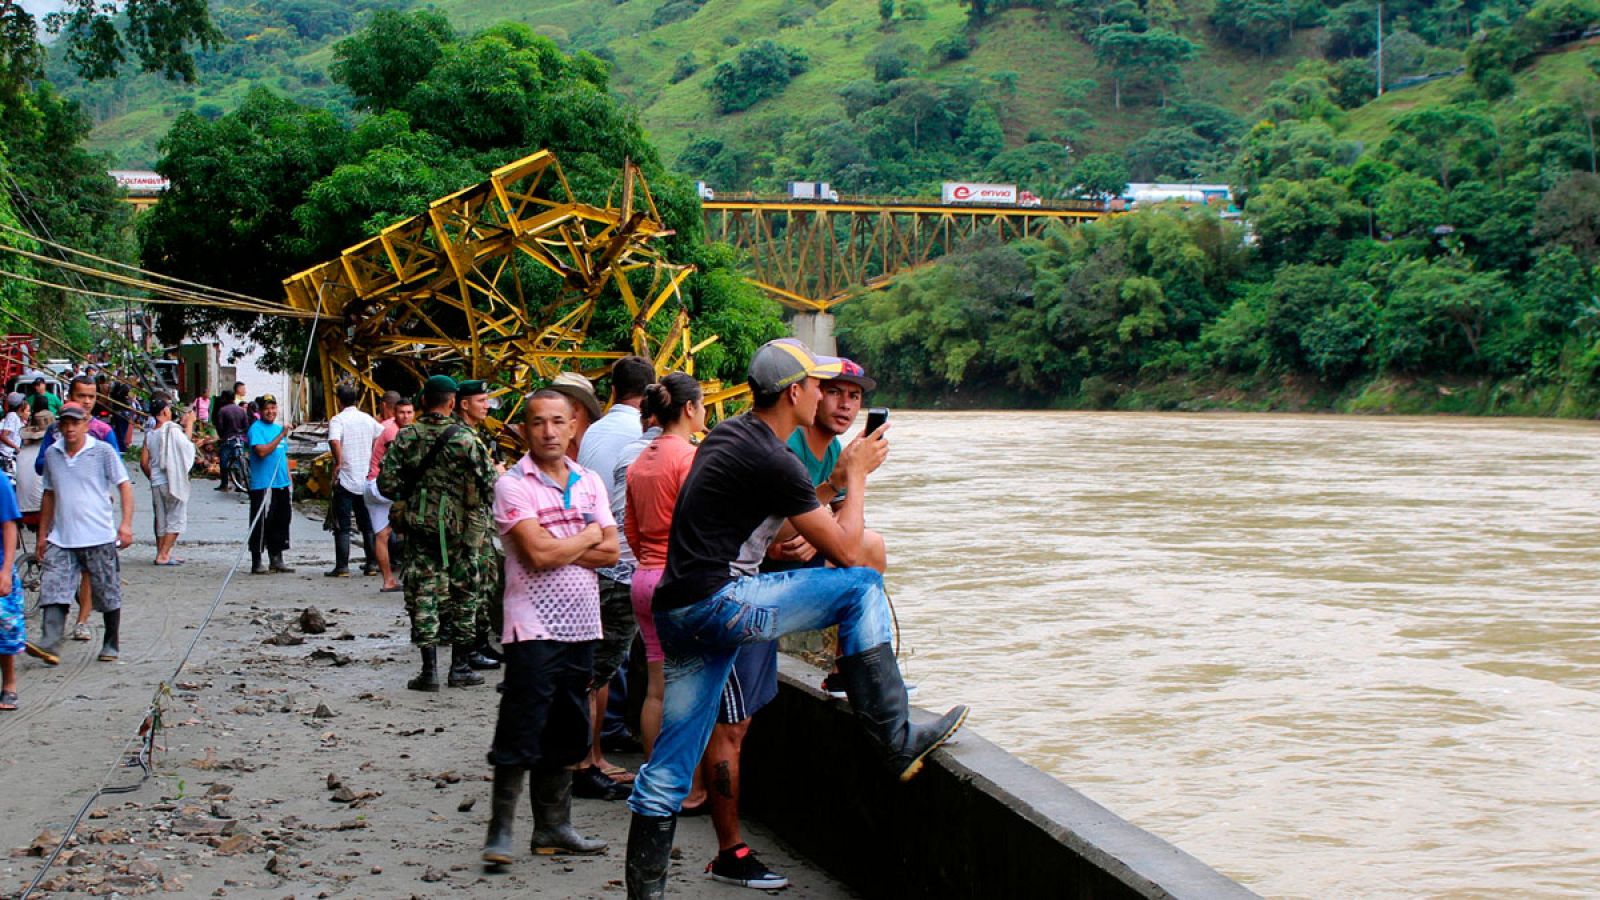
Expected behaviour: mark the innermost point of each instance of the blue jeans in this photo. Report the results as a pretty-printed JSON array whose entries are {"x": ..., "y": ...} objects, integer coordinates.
[{"x": 701, "y": 639}]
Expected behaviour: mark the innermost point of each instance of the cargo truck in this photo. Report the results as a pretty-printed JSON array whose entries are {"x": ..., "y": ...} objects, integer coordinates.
[{"x": 812, "y": 190}]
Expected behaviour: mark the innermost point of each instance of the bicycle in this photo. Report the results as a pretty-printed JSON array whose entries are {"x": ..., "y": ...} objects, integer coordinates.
[{"x": 236, "y": 471}]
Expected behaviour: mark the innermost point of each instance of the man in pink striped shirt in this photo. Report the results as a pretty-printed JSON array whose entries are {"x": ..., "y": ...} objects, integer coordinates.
[{"x": 556, "y": 524}]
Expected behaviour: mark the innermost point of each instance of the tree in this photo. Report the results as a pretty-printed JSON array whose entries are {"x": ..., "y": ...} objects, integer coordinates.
[
  {"x": 381, "y": 64},
  {"x": 160, "y": 34},
  {"x": 1177, "y": 154},
  {"x": 1303, "y": 220},
  {"x": 1153, "y": 55},
  {"x": 893, "y": 59},
  {"x": 885, "y": 12},
  {"x": 1569, "y": 216},
  {"x": 1262, "y": 25},
  {"x": 760, "y": 71},
  {"x": 1099, "y": 176}
]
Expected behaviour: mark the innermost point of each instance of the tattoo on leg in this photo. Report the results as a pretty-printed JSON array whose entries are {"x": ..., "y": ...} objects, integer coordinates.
[{"x": 722, "y": 779}]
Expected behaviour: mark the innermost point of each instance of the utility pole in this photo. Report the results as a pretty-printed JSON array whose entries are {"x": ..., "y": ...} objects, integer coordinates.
[{"x": 1380, "y": 48}]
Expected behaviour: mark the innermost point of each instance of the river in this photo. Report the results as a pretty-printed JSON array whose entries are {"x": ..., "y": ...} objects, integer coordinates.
[{"x": 1329, "y": 656}]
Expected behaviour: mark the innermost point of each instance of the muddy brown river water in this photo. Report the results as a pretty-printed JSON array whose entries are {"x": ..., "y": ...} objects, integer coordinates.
[{"x": 1330, "y": 656}]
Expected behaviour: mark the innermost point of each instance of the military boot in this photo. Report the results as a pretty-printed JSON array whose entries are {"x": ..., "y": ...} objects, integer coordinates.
[
  {"x": 503, "y": 813},
  {"x": 277, "y": 564},
  {"x": 428, "y": 678},
  {"x": 257, "y": 567},
  {"x": 551, "y": 797},
  {"x": 461, "y": 674}
]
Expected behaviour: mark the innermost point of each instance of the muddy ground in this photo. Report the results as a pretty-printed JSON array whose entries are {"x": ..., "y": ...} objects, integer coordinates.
[{"x": 296, "y": 770}]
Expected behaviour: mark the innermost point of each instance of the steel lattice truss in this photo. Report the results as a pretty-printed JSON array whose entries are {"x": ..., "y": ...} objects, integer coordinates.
[
  {"x": 813, "y": 256},
  {"x": 445, "y": 291}
]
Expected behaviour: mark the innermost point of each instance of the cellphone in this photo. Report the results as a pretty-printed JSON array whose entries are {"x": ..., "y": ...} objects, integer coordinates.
[{"x": 876, "y": 417}]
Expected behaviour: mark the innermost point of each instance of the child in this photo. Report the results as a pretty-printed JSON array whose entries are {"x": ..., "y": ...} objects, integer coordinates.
[{"x": 13, "y": 623}]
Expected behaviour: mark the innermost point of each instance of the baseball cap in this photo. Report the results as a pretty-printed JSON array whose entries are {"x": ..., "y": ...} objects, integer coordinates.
[
  {"x": 266, "y": 400},
  {"x": 580, "y": 390},
  {"x": 14, "y": 399},
  {"x": 851, "y": 371},
  {"x": 72, "y": 411},
  {"x": 786, "y": 361}
]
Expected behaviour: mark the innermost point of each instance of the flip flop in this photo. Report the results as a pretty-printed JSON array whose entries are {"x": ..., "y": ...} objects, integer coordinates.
[
  {"x": 394, "y": 590},
  {"x": 8, "y": 701},
  {"x": 618, "y": 774},
  {"x": 170, "y": 562},
  {"x": 39, "y": 653}
]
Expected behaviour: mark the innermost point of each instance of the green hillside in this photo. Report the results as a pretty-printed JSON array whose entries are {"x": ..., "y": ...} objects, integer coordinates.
[{"x": 1030, "y": 62}]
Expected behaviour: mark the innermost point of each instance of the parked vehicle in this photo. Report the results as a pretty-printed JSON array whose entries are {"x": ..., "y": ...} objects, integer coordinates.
[
  {"x": 704, "y": 191},
  {"x": 976, "y": 193},
  {"x": 812, "y": 190}
]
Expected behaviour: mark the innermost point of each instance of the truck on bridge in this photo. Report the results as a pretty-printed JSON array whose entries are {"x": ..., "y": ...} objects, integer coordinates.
[
  {"x": 812, "y": 190},
  {"x": 960, "y": 193}
]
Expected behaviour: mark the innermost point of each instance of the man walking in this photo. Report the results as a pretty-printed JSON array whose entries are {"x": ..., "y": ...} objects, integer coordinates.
[
  {"x": 438, "y": 475},
  {"x": 556, "y": 521},
  {"x": 601, "y": 448},
  {"x": 166, "y": 458},
  {"x": 351, "y": 435},
  {"x": 269, "y": 488},
  {"x": 77, "y": 534},
  {"x": 743, "y": 485},
  {"x": 232, "y": 422},
  {"x": 82, "y": 391}
]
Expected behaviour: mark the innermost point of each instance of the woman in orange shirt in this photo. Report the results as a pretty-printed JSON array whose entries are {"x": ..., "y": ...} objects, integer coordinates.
[{"x": 653, "y": 482}]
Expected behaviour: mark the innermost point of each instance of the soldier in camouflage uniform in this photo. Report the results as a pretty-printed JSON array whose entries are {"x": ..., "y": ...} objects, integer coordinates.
[
  {"x": 436, "y": 503},
  {"x": 488, "y": 573}
]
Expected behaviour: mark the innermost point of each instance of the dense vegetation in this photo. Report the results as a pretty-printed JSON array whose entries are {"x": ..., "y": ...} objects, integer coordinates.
[
  {"x": 276, "y": 186},
  {"x": 1440, "y": 237}
]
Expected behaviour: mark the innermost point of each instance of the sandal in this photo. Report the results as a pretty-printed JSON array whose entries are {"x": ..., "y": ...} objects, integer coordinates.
[
  {"x": 618, "y": 774},
  {"x": 8, "y": 701},
  {"x": 170, "y": 562}
]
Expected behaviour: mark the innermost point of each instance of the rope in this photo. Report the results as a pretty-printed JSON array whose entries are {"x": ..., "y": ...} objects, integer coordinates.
[{"x": 150, "y": 724}]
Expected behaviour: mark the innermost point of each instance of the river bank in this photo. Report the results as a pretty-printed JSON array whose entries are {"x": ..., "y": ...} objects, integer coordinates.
[{"x": 302, "y": 769}]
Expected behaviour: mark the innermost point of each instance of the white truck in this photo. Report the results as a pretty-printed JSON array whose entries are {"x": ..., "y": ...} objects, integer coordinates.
[
  {"x": 954, "y": 193},
  {"x": 704, "y": 191},
  {"x": 812, "y": 190}
]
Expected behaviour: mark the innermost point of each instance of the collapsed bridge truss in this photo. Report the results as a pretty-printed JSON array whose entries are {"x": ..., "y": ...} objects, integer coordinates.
[{"x": 452, "y": 290}]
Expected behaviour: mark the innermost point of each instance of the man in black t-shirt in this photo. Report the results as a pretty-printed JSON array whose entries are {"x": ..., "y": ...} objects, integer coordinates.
[{"x": 742, "y": 487}]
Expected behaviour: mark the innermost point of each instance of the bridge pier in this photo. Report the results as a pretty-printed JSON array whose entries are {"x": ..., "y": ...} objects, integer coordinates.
[{"x": 815, "y": 330}]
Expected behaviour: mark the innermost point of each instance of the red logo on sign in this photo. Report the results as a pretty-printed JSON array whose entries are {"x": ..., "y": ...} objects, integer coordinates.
[{"x": 961, "y": 192}]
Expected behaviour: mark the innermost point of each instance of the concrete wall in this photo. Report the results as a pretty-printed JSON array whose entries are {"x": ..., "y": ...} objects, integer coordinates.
[{"x": 976, "y": 823}]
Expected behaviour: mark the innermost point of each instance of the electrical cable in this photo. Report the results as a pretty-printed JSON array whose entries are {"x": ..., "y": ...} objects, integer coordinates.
[{"x": 150, "y": 725}]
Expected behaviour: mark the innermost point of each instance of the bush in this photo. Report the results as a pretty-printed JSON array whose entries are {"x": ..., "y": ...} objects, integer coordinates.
[{"x": 760, "y": 71}]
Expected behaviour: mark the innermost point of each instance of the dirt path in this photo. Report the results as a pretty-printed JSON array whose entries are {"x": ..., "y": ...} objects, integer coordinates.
[{"x": 284, "y": 771}]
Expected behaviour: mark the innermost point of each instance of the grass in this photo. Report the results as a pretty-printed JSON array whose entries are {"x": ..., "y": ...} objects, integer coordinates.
[{"x": 837, "y": 36}]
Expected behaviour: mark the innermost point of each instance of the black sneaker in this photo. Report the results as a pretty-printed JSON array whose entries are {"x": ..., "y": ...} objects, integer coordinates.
[{"x": 739, "y": 866}]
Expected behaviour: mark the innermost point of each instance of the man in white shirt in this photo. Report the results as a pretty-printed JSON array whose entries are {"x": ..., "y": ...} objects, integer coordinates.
[
  {"x": 166, "y": 458},
  {"x": 77, "y": 534},
  {"x": 351, "y": 434}
]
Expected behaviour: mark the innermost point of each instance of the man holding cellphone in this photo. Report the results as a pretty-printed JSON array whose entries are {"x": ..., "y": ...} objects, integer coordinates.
[{"x": 743, "y": 484}]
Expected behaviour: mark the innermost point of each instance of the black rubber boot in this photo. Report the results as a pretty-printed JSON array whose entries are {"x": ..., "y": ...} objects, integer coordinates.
[
  {"x": 551, "y": 796},
  {"x": 112, "y": 619},
  {"x": 649, "y": 855},
  {"x": 53, "y": 622},
  {"x": 461, "y": 674},
  {"x": 369, "y": 561},
  {"x": 341, "y": 556},
  {"x": 257, "y": 567},
  {"x": 878, "y": 696},
  {"x": 277, "y": 564},
  {"x": 503, "y": 813},
  {"x": 428, "y": 678}
]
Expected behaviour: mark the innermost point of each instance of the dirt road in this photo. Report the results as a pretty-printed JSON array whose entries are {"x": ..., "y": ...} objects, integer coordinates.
[{"x": 304, "y": 770}]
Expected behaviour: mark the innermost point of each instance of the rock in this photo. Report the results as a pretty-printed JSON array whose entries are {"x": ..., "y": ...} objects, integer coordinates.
[
  {"x": 466, "y": 805},
  {"x": 343, "y": 795},
  {"x": 42, "y": 844},
  {"x": 338, "y": 659},
  {"x": 277, "y": 865},
  {"x": 333, "y": 781},
  {"x": 99, "y": 813},
  {"x": 312, "y": 622},
  {"x": 219, "y": 789},
  {"x": 434, "y": 875},
  {"x": 242, "y": 842},
  {"x": 346, "y": 636},
  {"x": 284, "y": 639},
  {"x": 377, "y": 870},
  {"x": 323, "y": 712},
  {"x": 194, "y": 825}
]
